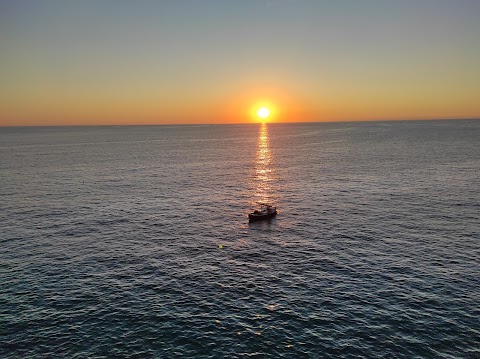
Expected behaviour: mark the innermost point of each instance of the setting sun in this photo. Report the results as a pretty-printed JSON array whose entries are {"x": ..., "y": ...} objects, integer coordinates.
[{"x": 263, "y": 112}]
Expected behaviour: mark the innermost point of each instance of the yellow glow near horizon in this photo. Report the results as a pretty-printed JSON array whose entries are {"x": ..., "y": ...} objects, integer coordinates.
[{"x": 263, "y": 112}]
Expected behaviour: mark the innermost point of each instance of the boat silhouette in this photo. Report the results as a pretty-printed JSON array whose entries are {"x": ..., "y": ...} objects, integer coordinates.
[{"x": 266, "y": 211}]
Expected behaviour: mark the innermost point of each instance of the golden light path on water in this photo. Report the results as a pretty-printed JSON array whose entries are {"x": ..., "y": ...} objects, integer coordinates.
[{"x": 264, "y": 171}]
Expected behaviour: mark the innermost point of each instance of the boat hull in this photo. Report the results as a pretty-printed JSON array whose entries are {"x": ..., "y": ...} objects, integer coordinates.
[{"x": 259, "y": 217}]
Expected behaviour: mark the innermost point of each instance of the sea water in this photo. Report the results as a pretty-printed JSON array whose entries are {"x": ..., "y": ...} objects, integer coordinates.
[{"x": 134, "y": 241}]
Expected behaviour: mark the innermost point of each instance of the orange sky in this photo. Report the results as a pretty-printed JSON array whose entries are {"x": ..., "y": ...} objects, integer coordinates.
[{"x": 95, "y": 63}]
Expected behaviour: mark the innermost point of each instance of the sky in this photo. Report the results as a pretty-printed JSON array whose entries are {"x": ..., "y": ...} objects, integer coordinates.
[{"x": 90, "y": 62}]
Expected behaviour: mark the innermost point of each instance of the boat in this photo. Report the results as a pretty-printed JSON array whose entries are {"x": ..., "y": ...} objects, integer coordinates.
[{"x": 266, "y": 211}]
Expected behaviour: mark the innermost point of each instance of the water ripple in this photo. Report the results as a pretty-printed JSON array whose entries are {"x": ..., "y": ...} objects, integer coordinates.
[{"x": 137, "y": 245}]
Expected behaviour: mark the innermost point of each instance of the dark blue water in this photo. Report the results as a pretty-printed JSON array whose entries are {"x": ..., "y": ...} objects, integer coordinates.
[{"x": 134, "y": 241}]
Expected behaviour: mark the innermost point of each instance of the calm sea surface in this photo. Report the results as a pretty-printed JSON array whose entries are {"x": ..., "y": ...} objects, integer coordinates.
[{"x": 133, "y": 242}]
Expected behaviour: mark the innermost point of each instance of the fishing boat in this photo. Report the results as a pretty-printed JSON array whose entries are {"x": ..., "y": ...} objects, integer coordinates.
[{"x": 265, "y": 211}]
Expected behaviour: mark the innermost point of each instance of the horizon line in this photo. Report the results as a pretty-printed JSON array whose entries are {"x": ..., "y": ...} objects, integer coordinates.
[{"x": 251, "y": 123}]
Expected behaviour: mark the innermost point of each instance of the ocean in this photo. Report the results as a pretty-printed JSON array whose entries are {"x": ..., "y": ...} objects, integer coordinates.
[{"x": 134, "y": 241}]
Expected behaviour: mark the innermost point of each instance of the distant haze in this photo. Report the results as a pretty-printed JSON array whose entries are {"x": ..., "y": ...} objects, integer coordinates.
[{"x": 153, "y": 62}]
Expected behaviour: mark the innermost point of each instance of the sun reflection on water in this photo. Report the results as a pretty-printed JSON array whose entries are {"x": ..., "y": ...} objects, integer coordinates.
[{"x": 264, "y": 171}]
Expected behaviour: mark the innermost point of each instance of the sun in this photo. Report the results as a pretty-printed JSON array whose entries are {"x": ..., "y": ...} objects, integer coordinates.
[{"x": 263, "y": 112}]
